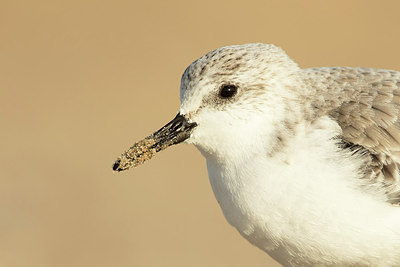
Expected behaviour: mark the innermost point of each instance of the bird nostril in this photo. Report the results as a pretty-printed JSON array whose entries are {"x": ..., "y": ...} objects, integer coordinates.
[{"x": 178, "y": 126}]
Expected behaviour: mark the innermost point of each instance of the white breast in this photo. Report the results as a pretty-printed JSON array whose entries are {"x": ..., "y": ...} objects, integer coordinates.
[{"x": 303, "y": 206}]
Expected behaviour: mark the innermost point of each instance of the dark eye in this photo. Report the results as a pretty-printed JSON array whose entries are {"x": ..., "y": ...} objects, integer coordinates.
[{"x": 228, "y": 91}]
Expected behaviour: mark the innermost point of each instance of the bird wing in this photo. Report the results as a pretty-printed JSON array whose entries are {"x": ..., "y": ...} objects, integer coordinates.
[{"x": 366, "y": 104}]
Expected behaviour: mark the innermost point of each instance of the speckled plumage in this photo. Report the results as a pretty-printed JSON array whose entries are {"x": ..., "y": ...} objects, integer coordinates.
[
  {"x": 303, "y": 162},
  {"x": 365, "y": 103}
]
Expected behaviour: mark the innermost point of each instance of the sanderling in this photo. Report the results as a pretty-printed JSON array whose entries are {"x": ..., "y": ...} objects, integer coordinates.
[{"x": 303, "y": 162}]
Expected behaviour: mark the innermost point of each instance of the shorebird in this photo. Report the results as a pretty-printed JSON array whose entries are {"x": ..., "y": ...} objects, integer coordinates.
[{"x": 303, "y": 162}]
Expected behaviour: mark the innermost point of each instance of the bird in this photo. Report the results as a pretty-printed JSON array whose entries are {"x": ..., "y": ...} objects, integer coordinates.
[{"x": 304, "y": 163}]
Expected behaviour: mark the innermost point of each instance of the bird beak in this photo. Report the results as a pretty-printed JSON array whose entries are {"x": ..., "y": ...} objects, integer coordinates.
[{"x": 174, "y": 132}]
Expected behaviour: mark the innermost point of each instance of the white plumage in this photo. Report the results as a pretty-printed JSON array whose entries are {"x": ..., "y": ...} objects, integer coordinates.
[{"x": 302, "y": 162}]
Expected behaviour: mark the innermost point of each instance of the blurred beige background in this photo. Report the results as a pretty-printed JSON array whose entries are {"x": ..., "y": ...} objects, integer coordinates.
[{"x": 81, "y": 81}]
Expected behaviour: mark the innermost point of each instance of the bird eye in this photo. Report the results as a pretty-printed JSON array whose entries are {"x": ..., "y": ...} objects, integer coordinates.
[{"x": 227, "y": 91}]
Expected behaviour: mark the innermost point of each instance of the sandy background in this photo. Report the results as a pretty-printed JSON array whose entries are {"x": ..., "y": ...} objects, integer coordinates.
[{"x": 81, "y": 81}]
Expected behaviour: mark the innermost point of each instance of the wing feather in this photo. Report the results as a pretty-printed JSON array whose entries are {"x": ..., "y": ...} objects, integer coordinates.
[{"x": 366, "y": 104}]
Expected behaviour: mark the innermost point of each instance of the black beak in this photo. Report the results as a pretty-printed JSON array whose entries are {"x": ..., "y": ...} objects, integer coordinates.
[{"x": 174, "y": 132}]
